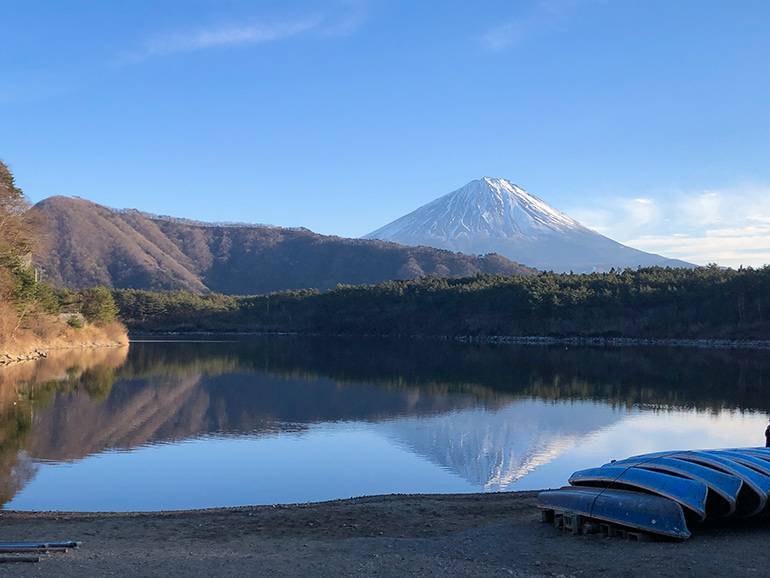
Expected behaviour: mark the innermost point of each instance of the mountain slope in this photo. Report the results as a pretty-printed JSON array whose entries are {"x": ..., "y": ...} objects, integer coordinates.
[
  {"x": 495, "y": 216},
  {"x": 90, "y": 245}
]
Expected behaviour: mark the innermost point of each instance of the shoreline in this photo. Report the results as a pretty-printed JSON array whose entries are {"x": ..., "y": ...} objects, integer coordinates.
[
  {"x": 703, "y": 343},
  {"x": 534, "y": 340},
  {"x": 251, "y": 508},
  {"x": 490, "y": 534},
  {"x": 42, "y": 352}
]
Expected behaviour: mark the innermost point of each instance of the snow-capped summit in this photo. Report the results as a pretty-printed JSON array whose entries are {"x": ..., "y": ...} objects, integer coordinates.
[
  {"x": 493, "y": 215},
  {"x": 488, "y": 207}
]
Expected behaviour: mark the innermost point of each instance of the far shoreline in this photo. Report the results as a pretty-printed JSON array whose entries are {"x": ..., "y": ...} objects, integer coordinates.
[
  {"x": 532, "y": 340},
  {"x": 329, "y": 503}
]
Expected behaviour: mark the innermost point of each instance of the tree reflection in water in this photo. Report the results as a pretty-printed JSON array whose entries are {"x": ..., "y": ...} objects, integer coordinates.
[{"x": 429, "y": 395}]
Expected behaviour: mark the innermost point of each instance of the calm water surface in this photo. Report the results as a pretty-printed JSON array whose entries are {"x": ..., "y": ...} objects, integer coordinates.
[{"x": 179, "y": 424}]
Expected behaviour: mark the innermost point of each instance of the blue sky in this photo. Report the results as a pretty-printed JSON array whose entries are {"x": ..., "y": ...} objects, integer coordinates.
[{"x": 648, "y": 120}]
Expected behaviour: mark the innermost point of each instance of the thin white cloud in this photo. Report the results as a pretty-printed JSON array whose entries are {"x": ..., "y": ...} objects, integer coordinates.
[
  {"x": 642, "y": 211},
  {"x": 624, "y": 214},
  {"x": 543, "y": 14},
  {"x": 353, "y": 15},
  {"x": 258, "y": 33},
  {"x": 732, "y": 250},
  {"x": 730, "y": 227},
  {"x": 702, "y": 208},
  {"x": 502, "y": 36},
  {"x": 341, "y": 19}
]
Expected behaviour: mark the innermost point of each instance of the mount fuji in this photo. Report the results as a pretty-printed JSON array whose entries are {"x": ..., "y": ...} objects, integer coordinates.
[{"x": 492, "y": 215}]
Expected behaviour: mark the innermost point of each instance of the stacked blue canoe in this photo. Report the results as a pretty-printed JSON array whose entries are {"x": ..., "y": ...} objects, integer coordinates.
[{"x": 662, "y": 492}]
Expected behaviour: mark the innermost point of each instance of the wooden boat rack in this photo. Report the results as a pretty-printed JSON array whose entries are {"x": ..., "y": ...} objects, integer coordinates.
[{"x": 578, "y": 524}]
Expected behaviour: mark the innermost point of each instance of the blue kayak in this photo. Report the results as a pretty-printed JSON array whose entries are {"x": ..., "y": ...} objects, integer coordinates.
[
  {"x": 756, "y": 486},
  {"x": 747, "y": 459},
  {"x": 634, "y": 510},
  {"x": 661, "y": 492},
  {"x": 761, "y": 453},
  {"x": 724, "y": 489},
  {"x": 688, "y": 493}
]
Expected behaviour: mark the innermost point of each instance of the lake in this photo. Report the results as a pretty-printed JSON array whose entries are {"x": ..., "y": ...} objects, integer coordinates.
[{"x": 182, "y": 424}]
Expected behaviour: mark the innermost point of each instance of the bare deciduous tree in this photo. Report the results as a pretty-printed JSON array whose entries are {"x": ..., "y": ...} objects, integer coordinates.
[{"x": 15, "y": 242}]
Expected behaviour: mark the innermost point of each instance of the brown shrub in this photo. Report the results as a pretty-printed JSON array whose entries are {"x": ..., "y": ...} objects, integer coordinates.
[{"x": 46, "y": 332}]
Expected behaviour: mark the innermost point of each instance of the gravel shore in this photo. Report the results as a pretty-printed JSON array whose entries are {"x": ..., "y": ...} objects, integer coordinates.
[
  {"x": 42, "y": 351},
  {"x": 450, "y": 535}
]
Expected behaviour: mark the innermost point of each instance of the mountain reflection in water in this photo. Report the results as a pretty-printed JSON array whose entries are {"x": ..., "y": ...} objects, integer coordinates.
[{"x": 180, "y": 424}]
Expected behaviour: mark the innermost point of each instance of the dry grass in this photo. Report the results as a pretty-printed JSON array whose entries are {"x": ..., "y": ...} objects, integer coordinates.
[{"x": 39, "y": 331}]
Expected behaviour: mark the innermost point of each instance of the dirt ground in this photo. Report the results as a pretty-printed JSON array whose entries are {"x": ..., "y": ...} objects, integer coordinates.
[{"x": 455, "y": 535}]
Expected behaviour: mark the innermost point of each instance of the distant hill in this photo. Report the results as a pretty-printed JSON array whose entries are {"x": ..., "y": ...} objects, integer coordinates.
[
  {"x": 492, "y": 215},
  {"x": 89, "y": 244}
]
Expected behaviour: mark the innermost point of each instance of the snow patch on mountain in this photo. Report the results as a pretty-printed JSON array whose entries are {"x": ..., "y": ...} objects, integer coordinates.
[
  {"x": 494, "y": 215},
  {"x": 489, "y": 206}
]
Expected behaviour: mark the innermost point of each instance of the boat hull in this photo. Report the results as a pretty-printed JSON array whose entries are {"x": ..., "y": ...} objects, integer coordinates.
[
  {"x": 690, "y": 494},
  {"x": 756, "y": 486},
  {"x": 645, "y": 512},
  {"x": 660, "y": 492},
  {"x": 723, "y": 489}
]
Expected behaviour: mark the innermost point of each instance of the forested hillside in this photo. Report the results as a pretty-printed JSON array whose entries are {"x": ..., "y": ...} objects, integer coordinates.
[
  {"x": 654, "y": 302},
  {"x": 94, "y": 245}
]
